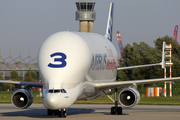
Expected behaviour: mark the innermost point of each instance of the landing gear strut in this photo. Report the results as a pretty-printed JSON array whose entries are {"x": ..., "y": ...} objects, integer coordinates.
[{"x": 116, "y": 110}]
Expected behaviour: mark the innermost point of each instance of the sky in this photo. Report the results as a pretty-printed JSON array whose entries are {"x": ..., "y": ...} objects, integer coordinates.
[{"x": 25, "y": 24}]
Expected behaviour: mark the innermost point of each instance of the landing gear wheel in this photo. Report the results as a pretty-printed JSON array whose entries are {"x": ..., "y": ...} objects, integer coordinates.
[
  {"x": 113, "y": 112},
  {"x": 116, "y": 110},
  {"x": 56, "y": 112},
  {"x": 119, "y": 110},
  {"x": 62, "y": 113},
  {"x": 50, "y": 112}
]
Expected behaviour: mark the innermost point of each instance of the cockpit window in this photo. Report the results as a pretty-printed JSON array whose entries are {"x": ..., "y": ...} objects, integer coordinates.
[
  {"x": 50, "y": 91},
  {"x": 57, "y": 91},
  {"x": 64, "y": 91}
]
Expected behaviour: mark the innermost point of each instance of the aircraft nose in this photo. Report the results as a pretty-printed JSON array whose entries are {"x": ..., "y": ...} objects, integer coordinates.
[{"x": 51, "y": 101}]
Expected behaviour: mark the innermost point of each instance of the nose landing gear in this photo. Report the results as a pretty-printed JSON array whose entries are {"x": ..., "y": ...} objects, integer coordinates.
[{"x": 61, "y": 113}]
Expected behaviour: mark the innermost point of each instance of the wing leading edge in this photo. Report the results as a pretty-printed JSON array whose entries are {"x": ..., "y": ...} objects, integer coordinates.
[
  {"x": 110, "y": 85},
  {"x": 32, "y": 84}
]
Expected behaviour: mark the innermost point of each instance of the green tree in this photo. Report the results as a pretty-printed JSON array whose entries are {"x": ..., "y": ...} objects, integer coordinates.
[
  {"x": 18, "y": 62},
  {"x": 29, "y": 79},
  {"x": 175, "y": 53},
  {"x": 175, "y": 45},
  {"x": 140, "y": 54},
  {"x": 5, "y": 86},
  {"x": 31, "y": 73},
  {"x": 1, "y": 78},
  {"x": 39, "y": 79},
  {"x": 1, "y": 85},
  {"x": 15, "y": 75},
  {"x": 1, "y": 62}
]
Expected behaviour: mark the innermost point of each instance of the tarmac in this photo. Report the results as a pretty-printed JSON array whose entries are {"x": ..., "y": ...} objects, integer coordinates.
[{"x": 92, "y": 111}]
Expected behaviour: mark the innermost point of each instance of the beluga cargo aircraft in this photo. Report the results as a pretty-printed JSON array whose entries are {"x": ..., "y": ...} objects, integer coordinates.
[{"x": 80, "y": 66}]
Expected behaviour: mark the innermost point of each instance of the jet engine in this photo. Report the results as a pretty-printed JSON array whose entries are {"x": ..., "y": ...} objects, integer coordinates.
[
  {"x": 129, "y": 97},
  {"x": 22, "y": 98}
]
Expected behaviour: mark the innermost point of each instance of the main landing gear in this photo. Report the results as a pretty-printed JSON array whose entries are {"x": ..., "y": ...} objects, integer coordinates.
[
  {"x": 116, "y": 110},
  {"x": 61, "y": 113}
]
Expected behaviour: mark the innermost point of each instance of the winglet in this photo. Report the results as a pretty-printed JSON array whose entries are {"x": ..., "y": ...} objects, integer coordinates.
[
  {"x": 108, "y": 34},
  {"x": 163, "y": 63}
]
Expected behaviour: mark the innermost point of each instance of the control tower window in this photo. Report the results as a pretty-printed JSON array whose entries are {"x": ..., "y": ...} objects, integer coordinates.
[
  {"x": 83, "y": 6},
  {"x": 89, "y": 6},
  {"x": 77, "y": 5}
]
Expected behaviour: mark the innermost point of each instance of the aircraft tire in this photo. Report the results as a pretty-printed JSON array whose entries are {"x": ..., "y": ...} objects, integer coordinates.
[
  {"x": 119, "y": 110},
  {"x": 64, "y": 114},
  {"x": 50, "y": 112},
  {"x": 56, "y": 112},
  {"x": 113, "y": 110},
  {"x": 59, "y": 114}
]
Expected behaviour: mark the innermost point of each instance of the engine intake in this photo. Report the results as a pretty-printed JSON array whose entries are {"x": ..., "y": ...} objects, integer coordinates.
[
  {"x": 22, "y": 98},
  {"x": 129, "y": 97}
]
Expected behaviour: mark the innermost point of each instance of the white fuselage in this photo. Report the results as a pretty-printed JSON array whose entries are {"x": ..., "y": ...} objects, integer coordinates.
[{"x": 70, "y": 62}]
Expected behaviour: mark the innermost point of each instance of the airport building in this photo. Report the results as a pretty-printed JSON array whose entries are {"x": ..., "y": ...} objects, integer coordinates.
[
  {"x": 86, "y": 15},
  {"x": 19, "y": 64}
]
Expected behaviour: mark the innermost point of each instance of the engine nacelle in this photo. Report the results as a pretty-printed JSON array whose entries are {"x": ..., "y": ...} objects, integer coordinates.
[
  {"x": 129, "y": 97},
  {"x": 22, "y": 98}
]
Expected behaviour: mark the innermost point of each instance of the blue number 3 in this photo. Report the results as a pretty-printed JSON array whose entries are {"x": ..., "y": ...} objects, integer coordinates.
[{"x": 62, "y": 60}]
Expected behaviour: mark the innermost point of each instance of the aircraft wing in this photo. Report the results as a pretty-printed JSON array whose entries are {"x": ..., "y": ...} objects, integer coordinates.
[
  {"x": 32, "y": 84},
  {"x": 110, "y": 85},
  {"x": 138, "y": 66},
  {"x": 162, "y": 63}
]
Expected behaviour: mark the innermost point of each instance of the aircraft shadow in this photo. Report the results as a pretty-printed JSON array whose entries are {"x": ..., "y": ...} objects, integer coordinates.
[{"x": 42, "y": 113}]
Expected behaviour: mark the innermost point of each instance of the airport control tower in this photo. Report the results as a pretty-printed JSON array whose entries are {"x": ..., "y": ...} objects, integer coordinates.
[{"x": 85, "y": 14}]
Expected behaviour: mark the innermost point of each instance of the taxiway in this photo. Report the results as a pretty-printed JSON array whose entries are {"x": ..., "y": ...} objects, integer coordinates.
[{"x": 92, "y": 111}]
